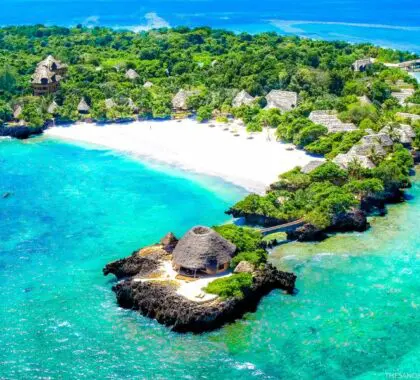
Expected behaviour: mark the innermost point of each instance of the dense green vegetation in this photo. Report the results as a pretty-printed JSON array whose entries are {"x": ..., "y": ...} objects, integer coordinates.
[
  {"x": 257, "y": 258},
  {"x": 216, "y": 63},
  {"x": 232, "y": 286},
  {"x": 246, "y": 239},
  {"x": 328, "y": 191}
]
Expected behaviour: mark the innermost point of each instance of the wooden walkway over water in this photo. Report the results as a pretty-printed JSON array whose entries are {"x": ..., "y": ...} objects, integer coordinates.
[{"x": 283, "y": 227}]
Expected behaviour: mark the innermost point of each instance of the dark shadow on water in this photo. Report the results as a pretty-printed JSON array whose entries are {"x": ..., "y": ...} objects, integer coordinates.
[{"x": 409, "y": 197}]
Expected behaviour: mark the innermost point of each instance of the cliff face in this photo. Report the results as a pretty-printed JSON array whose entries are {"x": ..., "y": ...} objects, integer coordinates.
[
  {"x": 354, "y": 220},
  {"x": 161, "y": 302},
  {"x": 20, "y": 132}
]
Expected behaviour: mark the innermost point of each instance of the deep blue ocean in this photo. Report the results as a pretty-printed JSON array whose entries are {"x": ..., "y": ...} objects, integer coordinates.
[{"x": 394, "y": 24}]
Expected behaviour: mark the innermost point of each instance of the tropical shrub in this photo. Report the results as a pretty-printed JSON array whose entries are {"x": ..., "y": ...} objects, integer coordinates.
[{"x": 229, "y": 287}]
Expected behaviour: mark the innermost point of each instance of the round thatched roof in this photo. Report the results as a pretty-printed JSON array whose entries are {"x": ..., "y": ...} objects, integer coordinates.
[{"x": 200, "y": 246}]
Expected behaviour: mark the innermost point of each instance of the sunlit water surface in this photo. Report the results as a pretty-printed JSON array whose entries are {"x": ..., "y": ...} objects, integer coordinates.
[{"x": 71, "y": 210}]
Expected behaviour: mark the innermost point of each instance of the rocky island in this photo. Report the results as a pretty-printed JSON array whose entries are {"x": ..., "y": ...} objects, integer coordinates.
[{"x": 206, "y": 279}]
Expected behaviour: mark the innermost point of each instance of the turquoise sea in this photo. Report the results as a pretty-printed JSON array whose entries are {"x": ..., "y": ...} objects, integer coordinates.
[
  {"x": 389, "y": 23},
  {"x": 72, "y": 209}
]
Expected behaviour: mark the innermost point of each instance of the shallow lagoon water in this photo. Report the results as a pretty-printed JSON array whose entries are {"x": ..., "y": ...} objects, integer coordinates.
[{"x": 356, "y": 314}]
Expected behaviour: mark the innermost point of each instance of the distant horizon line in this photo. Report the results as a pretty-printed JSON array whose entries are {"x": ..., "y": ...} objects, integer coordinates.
[{"x": 286, "y": 28}]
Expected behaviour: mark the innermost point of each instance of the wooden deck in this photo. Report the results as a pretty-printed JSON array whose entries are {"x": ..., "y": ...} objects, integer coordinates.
[{"x": 283, "y": 227}]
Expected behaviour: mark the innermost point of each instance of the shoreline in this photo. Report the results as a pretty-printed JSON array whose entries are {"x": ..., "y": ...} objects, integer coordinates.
[{"x": 249, "y": 160}]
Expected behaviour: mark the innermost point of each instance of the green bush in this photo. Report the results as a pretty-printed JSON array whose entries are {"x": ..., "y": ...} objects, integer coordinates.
[
  {"x": 329, "y": 172},
  {"x": 257, "y": 258},
  {"x": 232, "y": 286},
  {"x": 222, "y": 119},
  {"x": 245, "y": 238},
  {"x": 204, "y": 113},
  {"x": 309, "y": 134},
  {"x": 335, "y": 143},
  {"x": 293, "y": 180}
]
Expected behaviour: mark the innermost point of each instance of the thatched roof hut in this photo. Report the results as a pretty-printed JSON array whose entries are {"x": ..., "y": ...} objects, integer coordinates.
[
  {"x": 344, "y": 160},
  {"x": 367, "y": 150},
  {"x": 362, "y": 64},
  {"x": 17, "y": 111},
  {"x": 404, "y": 133},
  {"x": 410, "y": 116},
  {"x": 131, "y": 74},
  {"x": 402, "y": 95},
  {"x": 109, "y": 104},
  {"x": 47, "y": 75},
  {"x": 52, "y": 64},
  {"x": 43, "y": 75},
  {"x": 283, "y": 100},
  {"x": 83, "y": 107},
  {"x": 330, "y": 120},
  {"x": 311, "y": 165},
  {"x": 148, "y": 84},
  {"x": 180, "y": 100},
  {"x": 242, "y": 98},
  {"x": 202, "y": 250},
  {"x": 52, "y": 108},
  {"x": 382, "y": 139}
]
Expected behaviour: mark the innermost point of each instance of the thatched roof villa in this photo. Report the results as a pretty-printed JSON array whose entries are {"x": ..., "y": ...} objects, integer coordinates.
[
  {"x": 202, "y": 251},
  {"x": 383, "y": 139},
  {"x": 132, "y": 74},
  {"x": 345, "y": 159},
  {"x": 330, "y": 120},
  {"x": 17, "y": 111},
  {"x": 364, "y": 152},
  {"x": 311, "y": 165},
  {"x": 403, "y": 133},
  {"x": 410, "y": 116},
  {"x": 47, "y": 76},
  {"x": 362, "y": 64},
  {"x": 282, "y": 100},
  {"x": 44, "y": 81},
  {"x": 54, "y": 65},
  {"x": 242, "y": 98},
  {"x": 180, "y": 100},
  {"x": 402, "y": 95},
  {"x": 368, "y": 150},
  {"x": 83, "y": 107}
]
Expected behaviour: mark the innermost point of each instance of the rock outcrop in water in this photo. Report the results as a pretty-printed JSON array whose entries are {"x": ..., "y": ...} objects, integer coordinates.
[
  {"x": 161, "y": 302},
  {"x": 354, "y": 220},
  {"x": 20, "y": 132},
  {"x": 139, "y": 290}
]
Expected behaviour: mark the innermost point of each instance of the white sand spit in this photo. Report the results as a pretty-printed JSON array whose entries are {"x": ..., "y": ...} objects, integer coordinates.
[{"x": 251, "y": 161}]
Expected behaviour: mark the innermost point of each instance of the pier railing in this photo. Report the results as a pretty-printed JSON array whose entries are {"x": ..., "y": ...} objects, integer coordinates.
[{"x": 283, "y": 227}]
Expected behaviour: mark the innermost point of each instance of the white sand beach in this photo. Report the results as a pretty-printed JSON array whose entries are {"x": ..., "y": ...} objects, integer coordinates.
[{"x": 251, "y": 161}]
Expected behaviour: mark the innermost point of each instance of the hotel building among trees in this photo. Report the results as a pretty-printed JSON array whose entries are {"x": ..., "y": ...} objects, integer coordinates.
[{"x": 47, "y": 76}]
